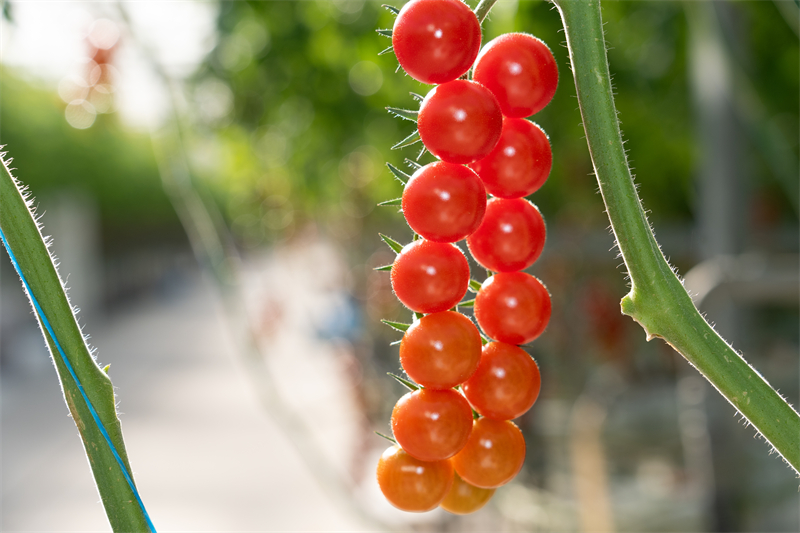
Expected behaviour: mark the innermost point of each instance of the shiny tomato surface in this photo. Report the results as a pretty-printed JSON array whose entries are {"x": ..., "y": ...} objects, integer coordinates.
[
  {"x": 436, "y": 41},
  {"x": 413, "y": 485},
  {"x": 521, "y": 72},
  {"x": 460, "y": 121},
  {"x": 429, "y": 277},
  {"x": 511, "y": 236},
  {"x": 493, "y": 454},
  {"x": 441, "y": 350},
  {"x": 513, "y": 307},
  {"x": 520, "y": 162},
  {"x": 506, "y": 383},
  {"x": 432, "y": 425},
  {"x": 444, "y": 202},
  {"x": 464, "y": 498}
]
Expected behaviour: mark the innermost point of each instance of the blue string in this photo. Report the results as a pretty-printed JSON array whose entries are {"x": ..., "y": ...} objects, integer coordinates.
[{"x": 100, "y": 425}]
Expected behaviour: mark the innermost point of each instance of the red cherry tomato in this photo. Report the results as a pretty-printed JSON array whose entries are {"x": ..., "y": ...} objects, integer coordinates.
[
  {"x": 413, "y": 485},
  {"x": 432, "y": 425},
  {"x": 429, "y": 277},
  {"x": 464, "y": 498},
  {"x": 511, "y": 236},
  {"x": 521, "y": 72},
  {"x": 444, "y": 202},
  {"x": 513, "y": 307},
  {"x": 436, "y": 41},
  {"x": 460, "y": 121},
  {"x": 441, "y": 350},
  {"x": 506, "y": 383},
  {"x": 493, "y": 454},
  {"x": 519, "y": 164}
]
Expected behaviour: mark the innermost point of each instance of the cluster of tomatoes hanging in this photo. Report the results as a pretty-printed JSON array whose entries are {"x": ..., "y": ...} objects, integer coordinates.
[{"x": 455, "y": 442}]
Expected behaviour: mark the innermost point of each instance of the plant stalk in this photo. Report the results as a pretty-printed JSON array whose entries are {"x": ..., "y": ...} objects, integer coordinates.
[
  {"x": 657, "y": 299},
  {"x": 81, "y": 378}
]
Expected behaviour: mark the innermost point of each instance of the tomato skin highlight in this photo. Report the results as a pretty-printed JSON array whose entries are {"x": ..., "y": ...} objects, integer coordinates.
[
  {"x": 493, "y": 455},
  {"x": 520, "y": 162},
  {"x": 428, "y": 277},
  {"x": 464, "y": 498},
  {"x": 441, "y": 350},
  {"x": 432, "y": 425},
  {"x": 444, "y": 202},
  {"x": 436, "y": 41},
  {"x": 521, "y": 72},
  {"x": 513, "y": 307},
  {"x": 410, "y": 484},
  {"x": 511, "y": 236},
  {"x": 506, "y": 384},
  {"x": 460, "y": 121}
]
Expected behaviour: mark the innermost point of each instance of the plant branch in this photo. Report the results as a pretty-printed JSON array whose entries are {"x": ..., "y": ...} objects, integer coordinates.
[
  {"x": 657, "y": 299},
  {"x": 87, "y": 389}
]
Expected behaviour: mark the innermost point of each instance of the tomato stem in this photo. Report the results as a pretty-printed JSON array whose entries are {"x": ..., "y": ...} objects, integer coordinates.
[
  {"x": 483, "y": 8},
  {"x": 657, "y": 299}
]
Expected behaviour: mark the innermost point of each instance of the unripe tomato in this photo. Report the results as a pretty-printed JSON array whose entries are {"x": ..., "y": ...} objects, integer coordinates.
[
  {"x": 520, "y": 162},
  {"x": 444, "y": 202},
  {"x": 521, "y": 72},
  {"x": 413, "y": 485},
  {"x": 506, "y": 383},
  {"x": 460, "y": 121},
  {"x": 441, "y": 350},
  {"x": 436, "y": 41},
  {"x": 429, "y": 277},
  {"x": 511, "y": 236},
  {"x": 513, "y": 307},
  {"x": 432, "y": 425},
  {"x": 493, "y": 454},
  {"x": 464, "y": 498}
]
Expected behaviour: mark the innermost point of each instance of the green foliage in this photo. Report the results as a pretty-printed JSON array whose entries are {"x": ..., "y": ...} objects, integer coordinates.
[{"x": 115, "y": 166}]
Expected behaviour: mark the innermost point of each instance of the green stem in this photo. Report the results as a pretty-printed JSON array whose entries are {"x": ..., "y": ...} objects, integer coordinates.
[
  {"x": 483, "y": 8},
  {"x": 657, "y": 299},
  {"x": 24, "y": 239}
]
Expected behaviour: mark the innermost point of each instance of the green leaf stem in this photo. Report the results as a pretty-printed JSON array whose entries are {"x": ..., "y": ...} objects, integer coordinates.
[
  {"x": 24, "y": 238},
  {"x": 657, "y": 299}
]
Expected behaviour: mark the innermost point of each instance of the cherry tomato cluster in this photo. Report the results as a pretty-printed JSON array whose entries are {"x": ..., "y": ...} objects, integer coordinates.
[{"x": 455, "y": 441}]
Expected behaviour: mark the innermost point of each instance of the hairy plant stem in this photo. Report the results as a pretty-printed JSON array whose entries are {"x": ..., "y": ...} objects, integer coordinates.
[
  {"x": 25, "y": 241},
  {"x": 483, "y": 8},
  {"x": 657, "y": 299}
]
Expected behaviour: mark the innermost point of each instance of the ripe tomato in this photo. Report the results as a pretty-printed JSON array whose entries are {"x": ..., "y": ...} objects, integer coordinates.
[
  {"x": 460, "y": 121},
  {"x": 432, "y": 425},
  {"x": 493, "y": 455},
  {"x": 436, "y": 41},
  {"x": 410, "y": 484},
  {"x": 464, "y": 498},
  {"x": 511, "y": 236},
  {"x": 444, "y": 202},
  {"x": 513, "y": 307},
  {"x": 441, "y": 350},
  {"x": 520, "y": 162},
  {"x": 429, "y": 277},
  {"x": 521, "y": 72},
  {"x": 506, "y": 383}
]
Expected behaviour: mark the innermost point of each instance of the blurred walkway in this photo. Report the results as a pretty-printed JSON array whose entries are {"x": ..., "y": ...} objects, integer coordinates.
[{"x": 205, "y": 455}]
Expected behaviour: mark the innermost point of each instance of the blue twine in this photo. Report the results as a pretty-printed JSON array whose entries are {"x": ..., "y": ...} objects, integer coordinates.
[{"x": 100, "y": 425}]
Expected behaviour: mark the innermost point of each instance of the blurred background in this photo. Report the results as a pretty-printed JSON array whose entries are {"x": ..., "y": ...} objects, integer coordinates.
[{"x": 210, "y": 173}]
